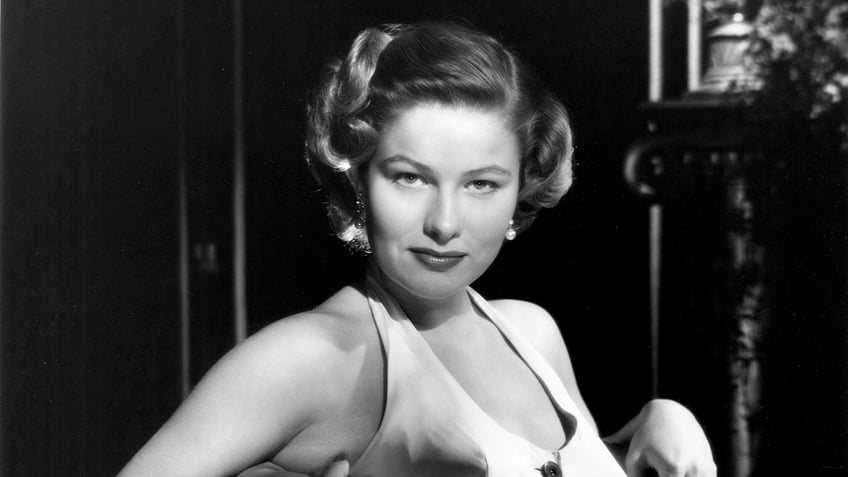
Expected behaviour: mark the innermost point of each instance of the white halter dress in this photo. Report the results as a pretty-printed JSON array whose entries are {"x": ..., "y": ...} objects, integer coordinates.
[{"x": 432, "y": 427}]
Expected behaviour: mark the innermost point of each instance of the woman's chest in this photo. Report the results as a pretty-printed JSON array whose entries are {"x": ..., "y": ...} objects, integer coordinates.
[{"x": 500, "y": 385}]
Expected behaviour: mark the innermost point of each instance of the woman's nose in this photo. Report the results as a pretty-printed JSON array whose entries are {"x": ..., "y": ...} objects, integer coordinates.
[{"x": 443, "y": 222}]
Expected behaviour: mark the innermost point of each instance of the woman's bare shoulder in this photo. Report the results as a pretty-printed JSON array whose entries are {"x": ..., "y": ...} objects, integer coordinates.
[
  {"x": 343, "y": 313},
  {"x": 268, "y": 392},
  {"x": 330, "y": 357},
  {"x": 531, "y": 320},
  {"x": 326, "y": 337},
  {"x": 538, "y": 327}
]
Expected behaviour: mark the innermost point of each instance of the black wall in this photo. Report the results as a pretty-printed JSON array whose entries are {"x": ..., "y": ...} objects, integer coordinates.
[{"x": 91, "y": 136}]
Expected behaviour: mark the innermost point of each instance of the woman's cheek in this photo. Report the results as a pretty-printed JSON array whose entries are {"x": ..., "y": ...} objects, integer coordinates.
[
  {"x": 492, "y": 218},
  {"x": 396, "y": 215}
]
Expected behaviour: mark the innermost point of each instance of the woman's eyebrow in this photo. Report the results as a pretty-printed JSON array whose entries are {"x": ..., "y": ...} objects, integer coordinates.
[
  {"x": 405, "y": 160},
  {"x": 497, "y": 170}
]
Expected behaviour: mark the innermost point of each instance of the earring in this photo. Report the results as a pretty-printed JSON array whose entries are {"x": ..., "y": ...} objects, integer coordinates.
[
  {"x": 510, "y": 232},
  {"x": 359, "y": 219}
]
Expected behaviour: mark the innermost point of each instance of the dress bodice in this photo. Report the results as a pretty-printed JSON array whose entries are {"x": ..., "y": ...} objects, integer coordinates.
[{"x": 432, "y": 427}]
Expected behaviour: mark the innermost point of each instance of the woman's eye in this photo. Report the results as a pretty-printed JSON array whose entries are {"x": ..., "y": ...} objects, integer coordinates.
[
  {"x": 482, "y": 186},
  {"x": 408, "y": 179}
]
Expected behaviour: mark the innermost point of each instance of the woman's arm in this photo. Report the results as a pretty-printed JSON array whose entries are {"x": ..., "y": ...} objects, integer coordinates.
[
  {"x": 666, "y": 437},
  {"x": 247, "y": 407}
]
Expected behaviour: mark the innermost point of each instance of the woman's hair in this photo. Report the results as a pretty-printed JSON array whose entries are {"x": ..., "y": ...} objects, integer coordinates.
[{"x": 395, "y": 67}]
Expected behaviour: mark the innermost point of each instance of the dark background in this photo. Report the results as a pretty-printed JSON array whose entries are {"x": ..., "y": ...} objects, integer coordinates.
[{"x": 111, "y": 109}]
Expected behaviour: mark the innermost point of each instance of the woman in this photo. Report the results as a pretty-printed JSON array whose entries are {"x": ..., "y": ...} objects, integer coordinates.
[{"x": 435, "y": 145}]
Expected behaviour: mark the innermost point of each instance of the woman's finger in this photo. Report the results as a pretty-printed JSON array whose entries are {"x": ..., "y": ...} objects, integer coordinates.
[
  {"x": 339, "y": 468},
  {"x": 634, "y": 466},
  {"x": 268, "y": 469}
]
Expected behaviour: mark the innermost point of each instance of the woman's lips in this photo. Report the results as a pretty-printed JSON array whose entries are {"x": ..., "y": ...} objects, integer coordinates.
[{"x": 438, "y": 261}]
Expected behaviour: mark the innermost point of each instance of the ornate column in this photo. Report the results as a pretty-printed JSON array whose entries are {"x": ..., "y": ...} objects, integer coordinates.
[
  {"x": 700, "y": 140},
  {"x": 749, "y": 314}
]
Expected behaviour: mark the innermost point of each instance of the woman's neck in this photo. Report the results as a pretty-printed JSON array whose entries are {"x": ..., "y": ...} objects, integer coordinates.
[{"x": 428, "y": 313}]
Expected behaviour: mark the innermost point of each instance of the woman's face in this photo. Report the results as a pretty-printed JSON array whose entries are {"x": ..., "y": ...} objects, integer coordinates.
[{"x": 441, "y": 189}]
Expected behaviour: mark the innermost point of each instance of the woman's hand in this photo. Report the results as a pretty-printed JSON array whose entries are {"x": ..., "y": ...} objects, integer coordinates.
[
  {"x": 338, "y": 468},
  {"x": 665, "y": 437}
]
